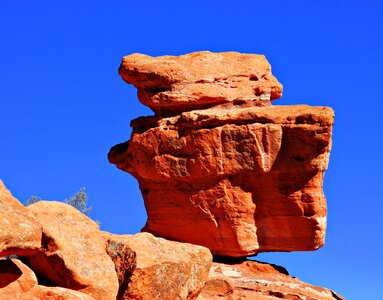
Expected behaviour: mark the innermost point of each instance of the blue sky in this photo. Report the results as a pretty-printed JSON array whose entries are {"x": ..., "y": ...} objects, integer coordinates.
[{"x": 63, "y": 106}]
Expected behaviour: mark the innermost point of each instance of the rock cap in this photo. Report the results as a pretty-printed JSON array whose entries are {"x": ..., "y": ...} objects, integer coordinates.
[{"x": 174, "y": 84}]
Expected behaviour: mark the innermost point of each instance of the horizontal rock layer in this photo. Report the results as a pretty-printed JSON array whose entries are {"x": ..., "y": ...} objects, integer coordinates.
[
  {"x": 239, "y": 181},
  {"x": 174, "y": 84}
]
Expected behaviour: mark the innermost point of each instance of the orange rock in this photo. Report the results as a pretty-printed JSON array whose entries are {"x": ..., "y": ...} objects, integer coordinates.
[
  {"x": 20, "y": 233},
  {"x": 73, "y": 254},
  {"x": 238, "y": 181},
  {"x": 124, "y": 260},
  {"x": 17, "y": 281},
  {"x": 54, "y": 293},
  {"x": 165, "y": 269},
  {"x": 255, "y": 280},
  {"x": 173, "y": 84}
]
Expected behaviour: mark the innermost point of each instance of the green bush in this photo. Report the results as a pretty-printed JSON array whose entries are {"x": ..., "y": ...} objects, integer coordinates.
[
  {"x": 78, "y": 201},
  {"x": 32, "y": 200}
]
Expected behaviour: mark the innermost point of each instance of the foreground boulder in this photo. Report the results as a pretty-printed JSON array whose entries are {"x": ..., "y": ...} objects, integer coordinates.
[
  {"x": 256, "y": 280},
  {"x": 164, "y": 269},
  {"x": 174, "y": 84},
  {"x": 73, "y": 254},
  {"x": 20, "y": 233},
  {"x": 238, "y": 181},
  {"x": 17, "y": 281}
]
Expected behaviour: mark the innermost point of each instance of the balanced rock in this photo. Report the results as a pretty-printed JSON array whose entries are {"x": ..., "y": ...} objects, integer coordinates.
[
  {"x": 235, "y": 176},
  {"x": 20, "y": 233},
  {"x": 174, "y": 84},
  {"x": 164, "y": 269},
  {"x": 262, "y": 281},
  {"x": 73, "y": 254}
]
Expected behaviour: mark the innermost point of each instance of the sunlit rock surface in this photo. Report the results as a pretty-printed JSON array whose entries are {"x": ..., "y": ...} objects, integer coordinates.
[
  {"x": 237, "y": 177},
  {"x": 20, "y": 233},
  {"x": 174, "y": 84}
]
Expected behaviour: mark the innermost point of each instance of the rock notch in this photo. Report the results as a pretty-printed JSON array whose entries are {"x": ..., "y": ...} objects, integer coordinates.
[{"x": 217, "y": 165}]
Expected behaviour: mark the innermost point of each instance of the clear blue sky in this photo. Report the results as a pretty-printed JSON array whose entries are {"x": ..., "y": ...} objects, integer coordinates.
[{"x": 63, "y": 106}]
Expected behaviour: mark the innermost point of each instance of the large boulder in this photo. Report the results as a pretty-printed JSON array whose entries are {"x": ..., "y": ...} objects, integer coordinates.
[
  {"x": 73, "y": 254},
  {"x": 262, "y": 281},
  {"x": 173, "y": 84},
  {"x": 164, "y": 269},
  {"x": 238, "y": 181},
  {"x": 20, "y": 233}
]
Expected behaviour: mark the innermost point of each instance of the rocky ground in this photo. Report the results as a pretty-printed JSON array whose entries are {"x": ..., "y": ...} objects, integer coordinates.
[{"x": 66, "y": 256}]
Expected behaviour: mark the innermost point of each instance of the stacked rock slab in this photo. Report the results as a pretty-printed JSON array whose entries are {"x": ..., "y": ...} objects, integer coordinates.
[{"x": 218, "y": 165}]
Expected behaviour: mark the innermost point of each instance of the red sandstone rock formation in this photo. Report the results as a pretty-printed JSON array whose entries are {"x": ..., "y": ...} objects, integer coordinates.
[
  {"x": 20, "y": 234},
  {"x": 255, "y": 280},
  {"x": 236, "y": 178},
  {"x": 125, "y": 262},
  {"x": 164, "y": 269},
  {"x": 236, "y": 175},
  {"x": 73, "y": 253},
  {"x": 174, "y": 84},
  {"x": 17, "y": 281}
]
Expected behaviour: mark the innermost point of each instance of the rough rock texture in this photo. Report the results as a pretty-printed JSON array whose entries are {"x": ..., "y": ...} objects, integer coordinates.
[
  {"x": 165, "y": 269},
  {"x": 256, "y": 280},
  {"x": 17, "y": 281},
  {"x": 20, "y": 234},
  {"x": 174, "y": 84},
  {"x": 124, "y": 260},
  {"x": 238, "y": 181},
  {"x": 73, "y": 254},
  {"x": 54, "y": 293}
]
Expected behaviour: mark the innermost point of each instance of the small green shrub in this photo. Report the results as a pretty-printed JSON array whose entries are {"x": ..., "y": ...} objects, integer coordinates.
[
  {"x": 78, "y": 200},
  {"x": 32, "y": 200}
]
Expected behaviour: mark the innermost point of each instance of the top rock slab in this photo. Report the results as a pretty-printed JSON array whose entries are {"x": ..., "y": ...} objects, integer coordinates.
[{"x": 170, "y": 85}]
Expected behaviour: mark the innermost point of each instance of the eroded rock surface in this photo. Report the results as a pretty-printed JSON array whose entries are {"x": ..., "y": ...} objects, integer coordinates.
[
  {"x": 174, "y": 84},
  {"x": 125, "y": 262},
  {"x": 17, "y": 281},
  {"x": 20, "y": 233},
  {"x": 238, "y": 181},
  {"x": 74, "y": 254},
  {"x": 262, "y": 281},
  {"x": 164, "y": 269}
]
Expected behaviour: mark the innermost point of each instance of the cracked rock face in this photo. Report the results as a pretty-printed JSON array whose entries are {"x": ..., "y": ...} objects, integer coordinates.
[
  {"x": 239, "y": 178},
  {"x": 164, "y": 269}
]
